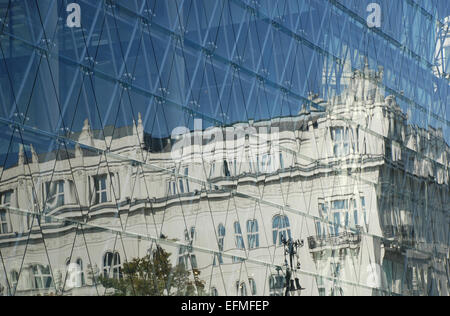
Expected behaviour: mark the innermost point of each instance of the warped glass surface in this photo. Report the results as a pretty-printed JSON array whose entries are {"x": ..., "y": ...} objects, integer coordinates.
[{"x": 264, "y": 147}]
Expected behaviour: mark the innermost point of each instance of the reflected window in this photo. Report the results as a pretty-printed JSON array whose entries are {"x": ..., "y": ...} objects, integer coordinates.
[
  {"x": 322, "y": 227},
  {"x": 194, "y": 264},
  {"x": 345, "y": 213},
  {"x": 265, "y": 164},
  {"x": 5, "y": 198},
  {"x": 172, "y": 188},
  {"x": 336, "y": 223},
  {"x": 238, "y": 236},
  {"x": 238, "y": 239},
  {"x": 226, "y": 169},
  {"x": 252, "y": 234},
  {"x": 220, "y": 241},
  {"x": 3, "y": 222},
  {"x": 182, "y": 261},
  {"x": 318, "y": 229},
  {"x": 281, "y": 161},
  {"x": 252, "y": 284},
  {"x": 185, "y": 256},
  {"x": 363, "y": 210},
  {"x": 212, "y": 170},
  {"x": 5, "y": 201},
  {"x": 355, "y": 213},
  {"x": 241, "y": 289},
  {"x": 14, "y": 277},
  {"x": 81, "y": 267},
  {"x": 340, "y": 215},
  {"x": 112, "y": 266},
  {"x": 55, "y": 194},
  {"x": 280, "y": 229},
  {"x": 189, "y": 235},
  {"x": 187, "y": 259},
  {"x": 100, "y": 186},
  {"x": 276, "y": 285},
  {"x": 42, "y": 277},
  {"x": 181, "y": 185},
  {"x": 341, "y": 141},
  {"x": 336, "y": 269},
  {"x": 192, "y": 233},
  {"x": 234, "y": 167},
  {"x": 186, "y": 174}
]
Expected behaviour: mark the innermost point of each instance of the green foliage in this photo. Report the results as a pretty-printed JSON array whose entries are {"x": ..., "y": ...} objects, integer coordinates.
[{"x": 154, "y": 275}]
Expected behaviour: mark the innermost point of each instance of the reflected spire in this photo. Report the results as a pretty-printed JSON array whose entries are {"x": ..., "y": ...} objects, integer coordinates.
[
  {"x": 86, "y": 136},
  {"x": 21, "y": 158}
]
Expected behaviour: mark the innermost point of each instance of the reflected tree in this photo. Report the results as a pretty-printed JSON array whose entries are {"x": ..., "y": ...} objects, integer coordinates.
[{"x": 154, "y": 275}]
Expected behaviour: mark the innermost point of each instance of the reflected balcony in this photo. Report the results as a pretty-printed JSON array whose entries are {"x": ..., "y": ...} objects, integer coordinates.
[
  {"x": 343, "y": 240},
  {"x": 399, "y": 237}
]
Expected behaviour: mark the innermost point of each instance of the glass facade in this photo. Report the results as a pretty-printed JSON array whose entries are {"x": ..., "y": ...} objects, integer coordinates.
[{"x": 224, "y": 147}]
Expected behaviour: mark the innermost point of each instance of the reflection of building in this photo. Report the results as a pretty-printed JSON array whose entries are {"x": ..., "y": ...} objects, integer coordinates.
[
  {"x": 442, "y": 55},
  {"x": 367, "y": 191}
]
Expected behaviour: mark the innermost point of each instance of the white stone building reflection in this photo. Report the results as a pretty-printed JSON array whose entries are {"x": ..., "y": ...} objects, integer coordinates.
[{"x": 366, "y": 191}]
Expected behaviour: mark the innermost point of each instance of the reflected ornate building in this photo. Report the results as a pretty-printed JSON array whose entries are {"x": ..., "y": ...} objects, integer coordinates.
[
  {"x": 443, "y": 49},
  {"x": 219, "y": 129},
  {"x": 367, "y": 192}
]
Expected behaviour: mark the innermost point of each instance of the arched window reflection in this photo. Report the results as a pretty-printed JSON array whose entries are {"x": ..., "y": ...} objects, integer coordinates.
[
  {"x": 112, "y": 266},
  {"x": 280, "y": 229}
]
